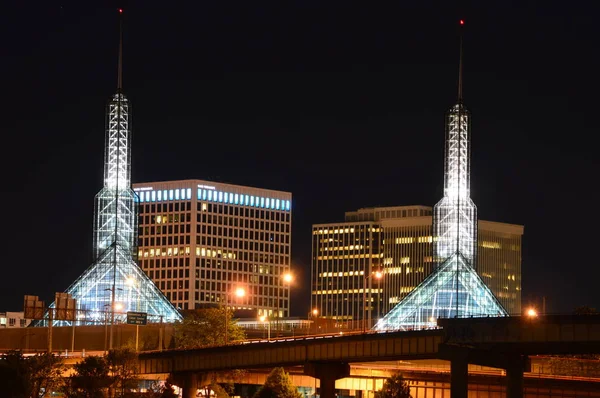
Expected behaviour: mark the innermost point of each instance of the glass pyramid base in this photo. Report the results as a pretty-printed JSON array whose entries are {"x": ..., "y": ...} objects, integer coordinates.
[
  {"x": 453, "y": 290},
  {"x": 134, "y": 291}
]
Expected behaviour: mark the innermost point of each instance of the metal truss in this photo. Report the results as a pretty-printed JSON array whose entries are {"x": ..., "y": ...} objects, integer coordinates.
[
  {"x": 114, "y": 283},
  {"x": 453, "y": 290}
]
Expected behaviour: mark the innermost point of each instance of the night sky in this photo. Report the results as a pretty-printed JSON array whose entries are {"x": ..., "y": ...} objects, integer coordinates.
[{"x": 341, "y": 105}]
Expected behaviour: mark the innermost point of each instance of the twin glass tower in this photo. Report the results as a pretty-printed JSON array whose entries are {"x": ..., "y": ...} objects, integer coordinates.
[
  {"x": 453, "y": 289},
  {"x": 114, "y": 284}
]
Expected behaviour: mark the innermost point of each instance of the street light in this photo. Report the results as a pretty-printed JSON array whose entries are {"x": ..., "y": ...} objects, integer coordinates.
[
  {"x": 264, "y": 318},
  {"x": 287, "y": 278},
  {"x": 315, "y": 312},
  {"x": 532, "y": 313},
  {"x": 378, "y": 275},
  {"x": 113, "y": 305},
  {"x": 239, "y": 292}
]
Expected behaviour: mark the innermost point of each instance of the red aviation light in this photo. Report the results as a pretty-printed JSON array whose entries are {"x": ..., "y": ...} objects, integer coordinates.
[{"x": 462, "y": 22}]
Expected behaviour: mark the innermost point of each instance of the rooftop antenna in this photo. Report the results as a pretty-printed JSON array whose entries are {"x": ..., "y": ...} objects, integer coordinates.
[
  {"x": 120, "y": 68},
  {"x": 460, "y": 96}
]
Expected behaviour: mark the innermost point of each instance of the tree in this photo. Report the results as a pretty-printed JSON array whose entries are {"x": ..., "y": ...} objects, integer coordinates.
[
  {"x": 205, "y": 327},
  {"x": 278, "y": 385},
  {"x": 45, "y": 374},
  {"x": 394, "y": 387},
  {"x": 585, "y": 310},
  {"x": 90, "y": 380},
  {"x": 25, "y": 377},
  {"x": 168, "y": 390},
  {"x": 122, "y": 364},
  {"x": 13, "y": 376}
]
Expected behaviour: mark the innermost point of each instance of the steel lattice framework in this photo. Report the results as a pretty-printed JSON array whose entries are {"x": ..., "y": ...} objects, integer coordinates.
[
  {"x": 455, "y": 215},
  {"x": 453, "y": 290},
  {"x": 116, "y": 199},
  {"x": 114, "y": 284},
  {"x": 115, "y": 237}
]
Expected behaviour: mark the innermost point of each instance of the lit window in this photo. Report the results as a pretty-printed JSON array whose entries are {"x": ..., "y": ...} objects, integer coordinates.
[
  {"x": 251, "y": 200},
  {"x": 220, "y": 196},
  {"x": 141, "y": 197},
  {"x": 277, "y": 204},
  {"x": 287, "y": 204},
  {"x": 170, "y": 194},
  {"x": 147, "y": 196},
  {"x": 246, "y": 200},
  {"x": 154, "y": 196},
  {"x": 159, "y": 195},
  {"x": 226, "y": 197},
  {"x": 267, "y": 203},
  {"x": 204, "y": 206},
  {"x": 262, "y": 202},
  {"x": 189, "y": 193},
  {"x": 177, "y": 194},
  {"x": 199, "y": 194},
  {"x": 210, "y": 195},
  {"x": 236, "y": 199}
]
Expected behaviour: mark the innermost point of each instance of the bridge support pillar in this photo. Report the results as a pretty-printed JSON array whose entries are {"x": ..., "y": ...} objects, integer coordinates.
[
  {"x": 189, "y": 381},
  {"x": 327, "y": 373},
  {"x": 459, "y": 376},
  {"x": 514, "y": 377}
]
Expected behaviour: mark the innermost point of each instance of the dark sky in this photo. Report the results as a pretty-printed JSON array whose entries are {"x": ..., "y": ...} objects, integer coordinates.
[{"x": 342, "y": 105}]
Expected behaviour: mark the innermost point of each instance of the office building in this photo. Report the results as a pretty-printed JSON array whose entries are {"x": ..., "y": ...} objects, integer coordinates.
[
  {"x": 201, "y": 241},
  {"x": 398, "y": 241},
  {"x": 11, "y": 320}
]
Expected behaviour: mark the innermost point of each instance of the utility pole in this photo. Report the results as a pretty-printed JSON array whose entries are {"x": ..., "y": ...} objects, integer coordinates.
[{"x": 50, "y": 322}]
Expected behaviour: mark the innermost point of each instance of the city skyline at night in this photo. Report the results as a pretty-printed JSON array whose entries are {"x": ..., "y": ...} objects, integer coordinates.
[{"x": 339, "y": 106}]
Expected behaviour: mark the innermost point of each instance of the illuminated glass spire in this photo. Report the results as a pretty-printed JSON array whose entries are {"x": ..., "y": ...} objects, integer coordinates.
[
  {"x": 114, "y": 280},
  {"x": 453, "y": 289}
]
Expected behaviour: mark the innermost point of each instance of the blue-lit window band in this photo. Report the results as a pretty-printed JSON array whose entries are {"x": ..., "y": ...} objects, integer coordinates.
[{"x": 214, "y": 196}]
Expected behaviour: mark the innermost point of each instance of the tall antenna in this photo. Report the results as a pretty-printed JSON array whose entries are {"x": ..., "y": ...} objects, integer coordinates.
[
  {"x": 460, "y": 118},
  {"x": 460, "y": 99},
  {"x": 120, "y": 69}
]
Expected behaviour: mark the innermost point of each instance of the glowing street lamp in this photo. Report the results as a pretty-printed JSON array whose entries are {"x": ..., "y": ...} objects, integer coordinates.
[
  {"x": 264, "y": 318},
  {"x": 532, "y": 313},
  {"x": 239, "y": 292},
  {"x": 315, "y": 312},
  {"x": 377, "y": 275},
  {"x": 287, "y": 278}
]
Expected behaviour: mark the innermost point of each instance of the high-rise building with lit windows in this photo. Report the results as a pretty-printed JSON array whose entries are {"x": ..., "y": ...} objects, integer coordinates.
[
  {"x": 199, "y": 241},
  {"x": 398, "y": 241}
]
